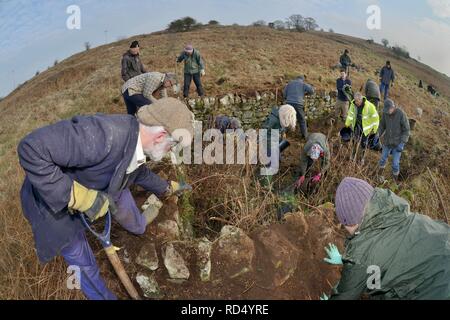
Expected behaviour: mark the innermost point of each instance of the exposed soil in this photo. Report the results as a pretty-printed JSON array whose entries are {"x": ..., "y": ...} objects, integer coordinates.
[{"x": 311, "y": 278}]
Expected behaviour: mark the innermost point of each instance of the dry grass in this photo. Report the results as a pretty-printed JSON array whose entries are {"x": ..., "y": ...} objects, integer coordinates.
[{"x": 248, "y": 59}]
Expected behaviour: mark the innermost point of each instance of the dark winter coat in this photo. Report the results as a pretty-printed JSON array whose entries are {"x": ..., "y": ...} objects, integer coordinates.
[
  {"x": 387, "y": 75},
  {"x": 273, "y": 120},
  {"x": 395, "y": 128},
  {"x": 345, "y": 60},
  {"x": 340, "y": 83},
  {"x": 93, "y": 150},
  {"x": 372, "y": 90},
  {"x": 295, "y": 91},
  {"x": 131, "y": 66}
]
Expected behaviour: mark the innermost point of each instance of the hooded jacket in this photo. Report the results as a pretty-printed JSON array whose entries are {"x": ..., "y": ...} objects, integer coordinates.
[
  {"x": 411, "y": 250},
  {"x": 395, "y": 128},
  {"x": 321, "y": 140}
]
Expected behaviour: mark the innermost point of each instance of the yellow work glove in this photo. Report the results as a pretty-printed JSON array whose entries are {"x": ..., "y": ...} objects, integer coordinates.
[
  {"x": 92, "y": 203},
  {"x": 177, "y": 189}
]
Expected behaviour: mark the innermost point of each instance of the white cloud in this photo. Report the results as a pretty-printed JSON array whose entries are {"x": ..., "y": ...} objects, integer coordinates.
[
  {"x": 428, "y": 41},
  {"x": 441, "y": 8}
]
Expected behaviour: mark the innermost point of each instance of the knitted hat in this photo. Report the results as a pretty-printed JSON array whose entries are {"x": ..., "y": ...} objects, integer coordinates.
[
  {"x": 352, "y": 195},
  {"x": 388, "y": 104},
  {"x": 189, "y": 48},
  {"x": 171, "y": 114},
  {"x": 134, "y": 44}
]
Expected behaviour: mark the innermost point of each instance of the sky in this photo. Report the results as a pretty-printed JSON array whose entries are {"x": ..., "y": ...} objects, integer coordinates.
[{"x": 34, "y": 33}]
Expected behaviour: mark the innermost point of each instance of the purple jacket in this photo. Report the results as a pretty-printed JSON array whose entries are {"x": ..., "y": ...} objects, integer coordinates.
[{"x": 93, "y": 150}]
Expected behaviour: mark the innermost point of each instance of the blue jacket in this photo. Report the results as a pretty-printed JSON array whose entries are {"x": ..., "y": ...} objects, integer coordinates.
[
  {"x": 340, "y": 88},
  {"x": 387, "y": 75},
  {"x": 295, "y": 91},
  {"x": 222, "y": 123},
  {"x": 93, "y": 150}
]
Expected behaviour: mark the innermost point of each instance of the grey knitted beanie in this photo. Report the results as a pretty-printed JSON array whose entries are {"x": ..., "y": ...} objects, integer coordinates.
[{"x": 352, "y": 195}]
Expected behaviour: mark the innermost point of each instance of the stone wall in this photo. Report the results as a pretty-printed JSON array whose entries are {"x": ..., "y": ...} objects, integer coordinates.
[{"x": 253, "y": 110}]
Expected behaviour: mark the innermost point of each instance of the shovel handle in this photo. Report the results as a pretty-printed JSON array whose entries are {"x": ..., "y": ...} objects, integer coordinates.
[
  {"x": 121, "y": 273},
  {"x": 110, "y": 250}
]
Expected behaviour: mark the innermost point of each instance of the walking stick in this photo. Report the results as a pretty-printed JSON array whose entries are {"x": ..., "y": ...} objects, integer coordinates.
[{"x": 112, "y": 254}]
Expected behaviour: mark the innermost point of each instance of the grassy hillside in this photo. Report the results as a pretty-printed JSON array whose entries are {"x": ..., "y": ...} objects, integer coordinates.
[{"x": 238, "y": 59}]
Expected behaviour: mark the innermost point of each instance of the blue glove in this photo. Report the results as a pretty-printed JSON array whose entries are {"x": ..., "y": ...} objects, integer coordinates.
[
  {"x": 334, "y": 257},
  {"x": 400, "y": 147},
  {"x": 324, "y": 297}
]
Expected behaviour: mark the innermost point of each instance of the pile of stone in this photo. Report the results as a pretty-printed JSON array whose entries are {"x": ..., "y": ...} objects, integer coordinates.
[{"x": 253, "y": 110}]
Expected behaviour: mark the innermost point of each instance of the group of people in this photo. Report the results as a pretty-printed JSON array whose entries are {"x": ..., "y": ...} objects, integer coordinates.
[
  {"x": 141, "y": 87},
  {"x": 367, "y": 121},
  {"x": 86, "y": 166}
]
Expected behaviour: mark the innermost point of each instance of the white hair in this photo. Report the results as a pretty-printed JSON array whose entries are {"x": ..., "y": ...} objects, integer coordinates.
[
  {"x": 288, "y": 116},
  {"x": 156, "y": 151},
  {"x": 153, "y": 129}
]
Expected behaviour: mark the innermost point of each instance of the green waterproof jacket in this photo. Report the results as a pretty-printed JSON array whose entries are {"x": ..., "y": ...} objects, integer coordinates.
[
  {"x": 192, "y": 63},
  {"x": 411, "y": 250},
  {"x": 321, "y": 140},
  {"x": 273, "y": 120}
]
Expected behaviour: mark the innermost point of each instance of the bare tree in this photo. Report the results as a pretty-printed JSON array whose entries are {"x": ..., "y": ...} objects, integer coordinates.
[
  {"x": 310, "y": 24},
  {"x": 385, "y": 42},
  {"x": 297, "y": 22},
  {"x": 87, "y": 45}
]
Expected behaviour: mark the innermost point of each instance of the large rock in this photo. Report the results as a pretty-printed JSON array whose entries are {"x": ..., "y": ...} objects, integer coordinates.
[
  {"x": 152, "y": 201},
  {"x": 148, "y": 285},
  {"x": 281, "y": 253},
  {"x": 168, "y": 230},
  {"x": 151, "y": 208},
  {"x": 233, "y": 252},
  {"x": 204, "y": 258},
  {"x": 148, "y": 257},
  {"x": 174, "y": 262}
]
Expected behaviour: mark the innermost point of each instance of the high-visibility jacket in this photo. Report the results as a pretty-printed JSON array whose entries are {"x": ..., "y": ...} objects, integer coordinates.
[{"x": 370, "y": 117}]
